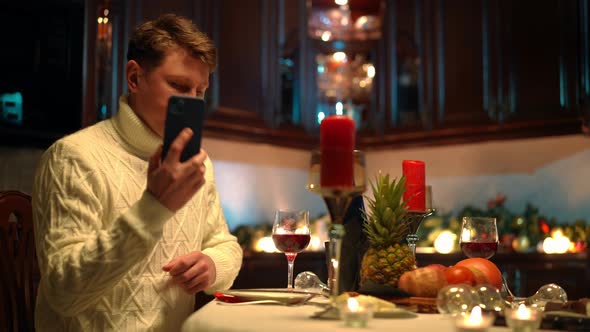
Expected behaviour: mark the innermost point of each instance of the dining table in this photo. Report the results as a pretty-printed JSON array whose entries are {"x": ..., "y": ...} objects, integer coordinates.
[{"x": 218, "y": 316}]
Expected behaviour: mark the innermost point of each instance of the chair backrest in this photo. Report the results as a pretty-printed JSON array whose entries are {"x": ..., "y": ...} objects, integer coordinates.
[{"x": 19, "y": 271}]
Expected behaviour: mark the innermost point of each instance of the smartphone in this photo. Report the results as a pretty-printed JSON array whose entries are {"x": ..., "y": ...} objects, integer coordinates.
[{"x": 183, "y": 112}]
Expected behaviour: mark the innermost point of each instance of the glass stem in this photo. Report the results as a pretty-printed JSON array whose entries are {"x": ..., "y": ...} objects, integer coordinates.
[
  {"x": 412, "y": 239},
  {"x": 290, "y": 263},
  {"x": 336, "y": 235}
]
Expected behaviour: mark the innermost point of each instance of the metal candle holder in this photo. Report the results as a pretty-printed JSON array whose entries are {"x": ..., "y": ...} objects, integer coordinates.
[
  {"x": 415, "y": 219},
  {"x": 337, "y": 201}
]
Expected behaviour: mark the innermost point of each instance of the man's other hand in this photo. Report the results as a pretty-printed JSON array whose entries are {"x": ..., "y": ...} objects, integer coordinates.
[{"x": 193, "y": 272}]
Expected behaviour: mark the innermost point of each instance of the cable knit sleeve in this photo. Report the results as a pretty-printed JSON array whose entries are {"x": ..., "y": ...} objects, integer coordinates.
[
  {"x": 79, "y": 258},
  {"x": 218, "y": 243}
]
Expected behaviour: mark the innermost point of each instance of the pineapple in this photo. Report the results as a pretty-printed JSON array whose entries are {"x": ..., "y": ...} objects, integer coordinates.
[{"x": 386, "y": 226}]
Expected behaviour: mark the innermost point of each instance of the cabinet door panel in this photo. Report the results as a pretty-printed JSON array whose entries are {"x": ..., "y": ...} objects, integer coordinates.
[
  {"x": 239, "y": 47},
  {"x": 535, "y": 53},
  {"x": 460, "y": 61},
  {"x": 534, "y": 57},
  {"x": 153, "y": 9},
  {"x": 447, "y": 71},
  {"x": 408, "y": 71}
]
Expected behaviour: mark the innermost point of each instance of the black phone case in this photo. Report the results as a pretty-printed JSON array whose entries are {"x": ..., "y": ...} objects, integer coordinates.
[{"x": 184, "y": 112}]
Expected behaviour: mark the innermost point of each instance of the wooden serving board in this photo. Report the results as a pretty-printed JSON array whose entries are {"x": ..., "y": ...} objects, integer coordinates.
[{"x": 426, "y": 305}]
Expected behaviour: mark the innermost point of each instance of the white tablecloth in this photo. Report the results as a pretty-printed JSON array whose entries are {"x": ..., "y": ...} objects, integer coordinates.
[{"x": 275, "y": 318}]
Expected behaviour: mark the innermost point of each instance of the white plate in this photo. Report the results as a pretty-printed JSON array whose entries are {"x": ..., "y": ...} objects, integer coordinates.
[
  {"x": 245, "y": 295},
  {"x": 394, "y": 313},
  {"x": 382, "y": 313}
]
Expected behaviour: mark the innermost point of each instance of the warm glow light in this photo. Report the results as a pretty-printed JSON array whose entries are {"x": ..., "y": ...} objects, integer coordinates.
[
  {"x": 280, "y": 230},
  {"x": 341, "y": 2},
  {"x": 344, "y": 21},
  {"x": 557, "y": 243},
  {"x": 363, "y": 83},
  {"x": 339, "y": 56},
  {"x": 572, "y": 247},
  {"x": 371, "y": 71},
  {"x": 465, "y": 235},
  {"x": 106, "y": 12},
  {"x": 562, "y": 244},
  {"x": 474, "y": 321},
  {"x": 353, "y": 304},
  {"x": 315, "y": 243},
  {"x": 326, "y": 35},
  {"x": 549, "y": 245},
  {"x": 445, "y": 242},
  {"x": 100, "y": 20},
  {"x": 523, "y": 312},
  {"x": 266, "y": 244},
  {"x": 302, "y": 230},
  {"x": 106, "y": 20},
  {"x": 361, "y": 21},
  {"x": 334, "y": 263},
  {"x": 475, "y": 317}
]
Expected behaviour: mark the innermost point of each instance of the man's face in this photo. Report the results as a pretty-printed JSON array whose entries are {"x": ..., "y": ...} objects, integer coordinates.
[{"x": 179, "y": 74}]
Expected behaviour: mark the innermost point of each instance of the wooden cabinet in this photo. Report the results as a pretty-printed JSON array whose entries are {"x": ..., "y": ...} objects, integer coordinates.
[
  {"x": 488, "y": 69},
  {"x": 446, "y": 71},
  {"x": 252, "y": 94}
]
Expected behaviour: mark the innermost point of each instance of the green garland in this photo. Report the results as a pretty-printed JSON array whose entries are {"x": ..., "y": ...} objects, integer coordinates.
[{"x": 530, "y": 223}]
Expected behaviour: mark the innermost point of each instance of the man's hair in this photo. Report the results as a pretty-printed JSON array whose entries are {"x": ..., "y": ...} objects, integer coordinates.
[{"x": 153, "y": 39}]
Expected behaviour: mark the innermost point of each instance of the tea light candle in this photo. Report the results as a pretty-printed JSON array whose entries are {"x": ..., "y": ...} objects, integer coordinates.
[
  {"x": 355, "y": 313},
  {"x": 473, "y": 321},
  {"x": 523, "y": 319}
]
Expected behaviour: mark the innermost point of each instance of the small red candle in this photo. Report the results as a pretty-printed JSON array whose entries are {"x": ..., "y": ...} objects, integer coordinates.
[
  {"x": 415, "y": 194},
  {"x": 337, "y": 141}
]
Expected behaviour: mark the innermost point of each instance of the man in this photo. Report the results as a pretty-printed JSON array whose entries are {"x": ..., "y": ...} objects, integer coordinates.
[{"x": 125, "y": 239}]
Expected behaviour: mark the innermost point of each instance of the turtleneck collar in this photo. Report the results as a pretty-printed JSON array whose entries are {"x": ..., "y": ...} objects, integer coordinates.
[{"x": 138, "y": 136}]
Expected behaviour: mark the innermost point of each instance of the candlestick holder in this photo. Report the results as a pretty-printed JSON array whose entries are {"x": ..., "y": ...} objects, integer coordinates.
[
  {"x": 415, "y": 219},
  {"x": 337, "y": 201}
]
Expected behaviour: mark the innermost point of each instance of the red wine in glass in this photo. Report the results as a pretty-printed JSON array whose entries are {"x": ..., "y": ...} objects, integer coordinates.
[
  {"x": 479, "y": 249},
  {"x": 291, "y": 243},
  {"x": 291, "y": 234},
  {"x": 479, "y": 237}
]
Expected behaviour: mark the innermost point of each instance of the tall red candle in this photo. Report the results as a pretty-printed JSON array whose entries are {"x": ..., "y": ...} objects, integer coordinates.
[
  {"x": 415, "y": 194},
  {"x": 337, "y": 141}
]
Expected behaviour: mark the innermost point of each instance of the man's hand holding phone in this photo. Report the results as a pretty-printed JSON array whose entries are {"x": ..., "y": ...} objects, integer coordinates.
[{"x": 172, "y": 182}]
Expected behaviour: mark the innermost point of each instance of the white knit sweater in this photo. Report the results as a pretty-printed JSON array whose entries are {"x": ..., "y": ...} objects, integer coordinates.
[{"x": 102, "y": 239}]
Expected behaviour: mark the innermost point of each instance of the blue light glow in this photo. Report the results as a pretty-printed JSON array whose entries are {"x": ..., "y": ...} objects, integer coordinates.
[
  {"x": 11, "y": 107},
  {"x": 321, "y": 116}
]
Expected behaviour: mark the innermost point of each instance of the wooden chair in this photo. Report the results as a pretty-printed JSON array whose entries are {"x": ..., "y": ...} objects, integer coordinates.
[{"x": 19, "y": 271}]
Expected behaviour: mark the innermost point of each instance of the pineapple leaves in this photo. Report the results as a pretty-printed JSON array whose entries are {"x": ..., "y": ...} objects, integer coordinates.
[{"x": 384, "y": 220}]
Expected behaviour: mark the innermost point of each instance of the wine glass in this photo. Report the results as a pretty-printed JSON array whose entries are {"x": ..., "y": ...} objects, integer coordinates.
[
  {"x": 479, "y": 237},
  {"x": 291, "y": 235}
]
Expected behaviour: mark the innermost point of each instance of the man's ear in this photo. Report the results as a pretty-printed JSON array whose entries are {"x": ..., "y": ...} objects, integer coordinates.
[{"x": 133, "y": 71}]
